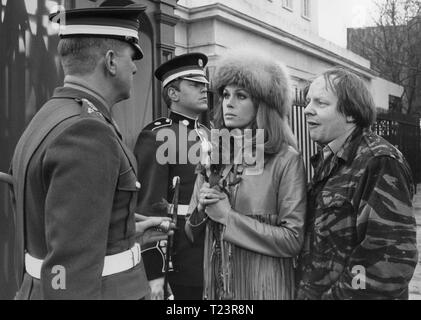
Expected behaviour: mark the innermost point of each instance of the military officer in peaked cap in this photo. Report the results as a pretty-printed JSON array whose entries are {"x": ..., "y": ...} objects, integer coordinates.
[
  {"x": 185, "y": 93},
  {"x": 75, "y": 184}
]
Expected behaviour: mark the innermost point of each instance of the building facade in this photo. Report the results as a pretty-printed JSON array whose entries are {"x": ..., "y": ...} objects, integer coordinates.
[{"x": 288, "y": 29}]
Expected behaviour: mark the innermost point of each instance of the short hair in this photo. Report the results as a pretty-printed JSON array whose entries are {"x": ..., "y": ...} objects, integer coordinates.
[
  {"x": 80, "y": 55},
  {"x": 173, "y": 84},
  {"x": 268, "y": 84},
  {"x": 354, "y": 98}
]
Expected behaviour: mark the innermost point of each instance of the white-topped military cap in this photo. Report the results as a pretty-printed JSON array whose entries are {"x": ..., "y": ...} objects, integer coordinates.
[
  {"x": 117, "y": 22},
  {"x": 188, "y": 66}
]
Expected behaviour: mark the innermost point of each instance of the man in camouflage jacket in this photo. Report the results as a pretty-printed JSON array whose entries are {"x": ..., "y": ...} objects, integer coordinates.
[{"x": 360, "y": 240}]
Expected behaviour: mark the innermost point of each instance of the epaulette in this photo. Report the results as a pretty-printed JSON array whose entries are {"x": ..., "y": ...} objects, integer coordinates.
[
  {"x": 158, "y": 124},
  {"x": 381, "y": 147},
  {"x": 89, "y": 109}
]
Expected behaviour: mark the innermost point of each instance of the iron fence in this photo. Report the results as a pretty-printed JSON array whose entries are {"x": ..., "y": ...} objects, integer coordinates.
[
  {"x": 297, "y": 121},
  {"x": 403, "y": 131}
]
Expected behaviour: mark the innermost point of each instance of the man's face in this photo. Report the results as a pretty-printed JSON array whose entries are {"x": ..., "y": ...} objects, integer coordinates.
[
  {"x": 193, "y": 96},
  {"x": 126, "y": 68},
  {"x": 325, "y": 123}
]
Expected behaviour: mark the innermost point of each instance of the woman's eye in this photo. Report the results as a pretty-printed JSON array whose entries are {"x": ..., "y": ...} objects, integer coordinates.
[
  {"x": 225, "y": 95},
  {"x": 242, "y": 96}
]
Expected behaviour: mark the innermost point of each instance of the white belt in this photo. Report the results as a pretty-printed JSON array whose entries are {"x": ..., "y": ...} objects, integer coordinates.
[
  {"x": 112, "y": 264},
  {"x": 182, "y": 209}
]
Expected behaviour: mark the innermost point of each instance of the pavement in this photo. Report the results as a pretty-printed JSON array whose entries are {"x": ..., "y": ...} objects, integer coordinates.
[{"x": 415, "y": 284}]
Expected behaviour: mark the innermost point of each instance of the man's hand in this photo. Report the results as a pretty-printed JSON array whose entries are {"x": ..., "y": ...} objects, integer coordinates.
[
  {"x": 157, "y": 289},
  {"x": 148, "y": 228}
]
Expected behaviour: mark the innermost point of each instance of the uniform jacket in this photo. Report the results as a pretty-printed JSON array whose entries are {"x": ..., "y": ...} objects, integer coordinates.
[
  {"x": 263, "y": 233},
  {"x": 79, "y": 205},
  {"x": 361, "y": 232},
  {"x": 156, "y": 180}
]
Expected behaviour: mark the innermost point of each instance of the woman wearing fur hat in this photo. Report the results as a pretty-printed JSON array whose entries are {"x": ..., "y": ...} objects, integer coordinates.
[{"x": 253, "y": 220}]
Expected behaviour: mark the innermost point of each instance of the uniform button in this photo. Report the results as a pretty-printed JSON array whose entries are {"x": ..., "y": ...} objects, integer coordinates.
[
  {"x": 138, "y": 185},
  {"x": 157, "y": 123}
]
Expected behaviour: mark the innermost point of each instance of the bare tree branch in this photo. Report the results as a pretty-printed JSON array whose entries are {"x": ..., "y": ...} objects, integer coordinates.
[{"x": 393, "y": 45}]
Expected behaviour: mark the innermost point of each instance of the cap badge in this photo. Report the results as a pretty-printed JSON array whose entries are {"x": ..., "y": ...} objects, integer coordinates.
[{"x": 200, "y": 62}]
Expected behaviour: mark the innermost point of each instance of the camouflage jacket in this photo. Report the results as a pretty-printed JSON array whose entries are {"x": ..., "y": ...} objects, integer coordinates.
[{"x": 360, "y": 240}]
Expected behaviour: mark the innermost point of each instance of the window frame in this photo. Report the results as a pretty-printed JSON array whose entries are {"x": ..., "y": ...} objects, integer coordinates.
[
  {"x": 288, "y": 5},
  {"x": 306, "y": 14}
]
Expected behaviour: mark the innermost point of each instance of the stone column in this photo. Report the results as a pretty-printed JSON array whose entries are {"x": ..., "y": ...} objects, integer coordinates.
[{"x": 165, "y": 44}]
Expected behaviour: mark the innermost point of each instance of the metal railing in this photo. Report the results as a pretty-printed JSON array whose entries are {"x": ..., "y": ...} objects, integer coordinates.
[
  {"x": 403, "y": 131},
  {"x": 298, "y": 125}
]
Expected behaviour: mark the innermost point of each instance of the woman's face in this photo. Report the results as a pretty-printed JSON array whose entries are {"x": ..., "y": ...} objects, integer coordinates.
[{"x": 238, "y": 108}]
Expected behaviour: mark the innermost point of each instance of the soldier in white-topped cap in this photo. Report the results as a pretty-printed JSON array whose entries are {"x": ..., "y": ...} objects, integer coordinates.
[
  {"x": 75, "y": 184},
  {"x": 185, "y": 91}
]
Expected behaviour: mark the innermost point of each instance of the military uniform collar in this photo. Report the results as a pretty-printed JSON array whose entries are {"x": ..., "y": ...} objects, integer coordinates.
[
  {"x": 77, "y": 90},
  {"x": 75, "y": 82},
  {"x": 187, "y": 121}
]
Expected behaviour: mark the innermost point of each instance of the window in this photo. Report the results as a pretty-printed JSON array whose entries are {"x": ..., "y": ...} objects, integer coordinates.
[
  {"x": 287, "y": 4},
  {"x": 395, "y": 104},
  {"x": 306, "y": 9}
]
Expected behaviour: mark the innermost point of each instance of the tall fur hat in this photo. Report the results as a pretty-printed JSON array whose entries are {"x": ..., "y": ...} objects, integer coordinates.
[{"x": 261, "y": 75}]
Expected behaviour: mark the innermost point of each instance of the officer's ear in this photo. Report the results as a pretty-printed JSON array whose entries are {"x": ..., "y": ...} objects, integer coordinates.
[
  {"x": 110, "y": 62},
  {"x": 173, "y": 94}
]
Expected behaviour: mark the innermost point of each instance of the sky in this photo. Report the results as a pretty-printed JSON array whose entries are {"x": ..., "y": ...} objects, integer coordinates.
[{"x": 337, "y": 15}]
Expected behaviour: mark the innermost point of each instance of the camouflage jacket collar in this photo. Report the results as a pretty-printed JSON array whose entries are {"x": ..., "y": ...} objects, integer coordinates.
[
  {"x": 349, "y": 148},
  {"x": 345, "y": 155}
]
